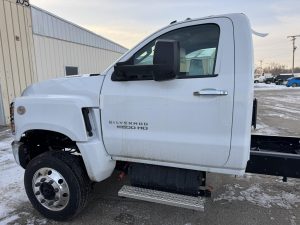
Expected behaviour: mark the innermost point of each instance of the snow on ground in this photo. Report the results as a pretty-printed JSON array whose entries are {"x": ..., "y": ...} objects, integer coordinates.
[
  {"x": 11, "y": 182},
  {"x": 12, "y": 193},
  {"x": 283, "y": 99},
  {"x": 261, "y": 195},
  {"x": 263, "y": 86},
  {"x": 264, "y": 129},
  {"x": 278, "y": 112}
]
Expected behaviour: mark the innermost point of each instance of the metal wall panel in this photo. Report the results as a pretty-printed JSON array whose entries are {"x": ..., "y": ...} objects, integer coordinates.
[
  {"x": 53, "y": 55},
  {"x": 2, "y": 117},
  {"x": 16, "y": 62},
  {"x": 26, "y": 45},
  {"x": 36, "y": 45},
  {"x": 49, "y": 25},
  {"x": 18, "y": 45},
  {"x": 31, "y": 50}
]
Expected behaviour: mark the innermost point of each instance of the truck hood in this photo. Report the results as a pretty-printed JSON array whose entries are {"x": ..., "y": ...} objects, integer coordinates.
[{"x": 81, "y": 86}]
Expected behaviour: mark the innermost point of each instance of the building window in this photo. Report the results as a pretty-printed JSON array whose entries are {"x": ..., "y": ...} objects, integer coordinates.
[{"x": 71, "y": 70}]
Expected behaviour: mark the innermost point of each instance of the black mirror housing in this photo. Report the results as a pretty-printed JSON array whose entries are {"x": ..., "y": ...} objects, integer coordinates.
[
  {"x": 166, "y": 58},
  {"x": 166, "y": 61}
]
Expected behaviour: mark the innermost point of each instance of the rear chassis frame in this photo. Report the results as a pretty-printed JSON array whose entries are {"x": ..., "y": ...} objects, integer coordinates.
[{"x": 275, "y": 155}]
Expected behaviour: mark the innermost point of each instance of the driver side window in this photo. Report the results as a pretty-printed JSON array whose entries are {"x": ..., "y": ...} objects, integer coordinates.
[
  {"x": 198, "y": 50},
  {"x": 145, "y": 56}
]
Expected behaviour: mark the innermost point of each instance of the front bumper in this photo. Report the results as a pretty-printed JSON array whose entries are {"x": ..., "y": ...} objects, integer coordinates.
[{"x": 15, "y": 145}]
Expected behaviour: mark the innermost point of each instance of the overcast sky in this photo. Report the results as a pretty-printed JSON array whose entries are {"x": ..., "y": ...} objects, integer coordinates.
[{"x": 129, "y": 21}]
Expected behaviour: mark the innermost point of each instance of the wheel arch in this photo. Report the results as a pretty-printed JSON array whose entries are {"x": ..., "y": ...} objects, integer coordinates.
[
  {"x": 50, "y": 127},
  {"x": 37, "y": 141},
  {"x": 98, "y": 164}
]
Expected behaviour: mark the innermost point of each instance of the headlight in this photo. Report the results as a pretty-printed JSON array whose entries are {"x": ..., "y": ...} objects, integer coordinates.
[{"x": 12, "y": 119}]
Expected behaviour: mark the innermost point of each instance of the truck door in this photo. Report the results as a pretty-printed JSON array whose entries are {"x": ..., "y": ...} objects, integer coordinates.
[{"x": 184, "y": 121}]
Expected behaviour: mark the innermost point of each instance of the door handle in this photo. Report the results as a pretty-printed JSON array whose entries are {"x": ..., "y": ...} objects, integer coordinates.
[{"x": 210, "y": 92}]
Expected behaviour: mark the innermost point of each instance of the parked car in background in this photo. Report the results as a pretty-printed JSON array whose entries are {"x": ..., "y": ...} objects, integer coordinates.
[
  {"x": 282, "y": 78},
  {"x": 293, "y": 82},
  {"x": 270, "y": 80},
  {"x": 260, "y": 78}
]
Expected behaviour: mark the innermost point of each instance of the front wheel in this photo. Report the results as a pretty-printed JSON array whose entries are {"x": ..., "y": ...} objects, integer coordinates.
[
  {"x": 57, "y": 185},
  {"x": 294, "y": 85}
]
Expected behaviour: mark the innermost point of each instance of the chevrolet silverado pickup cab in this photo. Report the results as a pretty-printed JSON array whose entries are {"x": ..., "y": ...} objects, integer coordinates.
[{"x": 177, "y": 105}]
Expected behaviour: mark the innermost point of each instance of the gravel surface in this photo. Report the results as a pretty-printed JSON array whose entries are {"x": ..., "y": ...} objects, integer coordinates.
[
  {"x": 251, "y": 199},
  {"x": 278, "y": 111}
]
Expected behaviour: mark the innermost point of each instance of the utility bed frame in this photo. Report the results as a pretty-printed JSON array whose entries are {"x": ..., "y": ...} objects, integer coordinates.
[{"x": 275, "y": 155}]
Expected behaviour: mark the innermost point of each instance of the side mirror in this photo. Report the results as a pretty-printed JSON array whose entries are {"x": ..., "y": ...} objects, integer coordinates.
[{"x": 166, "y": 61}]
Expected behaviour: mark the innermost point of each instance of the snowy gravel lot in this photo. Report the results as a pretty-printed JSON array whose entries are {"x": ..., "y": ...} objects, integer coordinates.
[
  {"x": 278, "y": 110},
  {"x": 250, "y": 199}
]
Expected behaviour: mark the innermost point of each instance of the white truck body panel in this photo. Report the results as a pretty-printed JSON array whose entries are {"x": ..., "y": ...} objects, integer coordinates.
[
  {"x": 182, "y": 128},
  {"x": 243, "y": 80},
  {"x": 55, "y": 105},
  {"x": 210, "y": 133},
  {"x": 243, "y": 98}
]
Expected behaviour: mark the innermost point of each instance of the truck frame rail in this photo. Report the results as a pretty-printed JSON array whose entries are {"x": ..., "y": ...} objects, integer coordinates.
[{"x": 275, "y": 155}]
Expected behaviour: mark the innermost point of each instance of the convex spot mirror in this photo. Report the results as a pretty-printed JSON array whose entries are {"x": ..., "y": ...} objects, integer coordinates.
[{"x": 166, "y": 61}]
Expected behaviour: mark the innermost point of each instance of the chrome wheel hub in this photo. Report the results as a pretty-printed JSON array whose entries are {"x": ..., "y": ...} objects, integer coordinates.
[{"x": 50, "y": 189}]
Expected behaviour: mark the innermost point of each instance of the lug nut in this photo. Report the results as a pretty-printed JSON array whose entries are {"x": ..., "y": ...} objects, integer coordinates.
[
  {"x": 50, "y": 203},
  {"x": 38, "y": 184},
  {"x": 56, "y": 190},
  {"x": 65, "y": 195},
  {"x": 43, "y": 179},
  {"x": 43, "y": 201},
  {"x": 56, "y": 199},
  {"x": 50, "y": 182},
  {"x": 37, "y": 193}
]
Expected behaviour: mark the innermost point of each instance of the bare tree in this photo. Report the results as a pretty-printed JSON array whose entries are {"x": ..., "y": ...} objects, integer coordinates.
[{"x": 276, "y": 68}]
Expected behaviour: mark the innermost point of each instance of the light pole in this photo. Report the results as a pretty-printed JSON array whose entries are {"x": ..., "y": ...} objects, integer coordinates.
[{"x": 293, "y": 38}]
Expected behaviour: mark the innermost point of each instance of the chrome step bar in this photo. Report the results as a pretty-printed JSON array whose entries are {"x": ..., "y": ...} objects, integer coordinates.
[{"x": 183, "y": 201}]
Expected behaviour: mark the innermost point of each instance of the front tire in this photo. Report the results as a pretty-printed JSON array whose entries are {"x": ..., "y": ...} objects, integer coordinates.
[
  {"x": 57, "y": 185},
  {"x": 294, "y": 85}
]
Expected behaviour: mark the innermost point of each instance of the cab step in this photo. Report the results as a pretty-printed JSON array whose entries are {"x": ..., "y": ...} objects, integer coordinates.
[{"x": 183, "y": 201}]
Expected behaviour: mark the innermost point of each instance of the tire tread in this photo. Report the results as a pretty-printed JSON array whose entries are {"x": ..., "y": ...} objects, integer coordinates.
[{"x": 76, "y": 166}]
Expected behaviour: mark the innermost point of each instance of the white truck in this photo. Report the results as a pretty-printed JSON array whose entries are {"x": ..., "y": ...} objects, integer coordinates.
[
  {"x": 177, "y": 105},
  {"x": 260, "y": 78}
]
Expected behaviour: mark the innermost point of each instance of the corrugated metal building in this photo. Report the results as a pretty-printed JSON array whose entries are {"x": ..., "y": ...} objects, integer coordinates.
[{"x": 36, "y": 45}]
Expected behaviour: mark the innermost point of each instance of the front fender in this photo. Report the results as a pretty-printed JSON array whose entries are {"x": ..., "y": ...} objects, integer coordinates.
[
  {"x": 99, "y": 165},
  {"x": 62, "y": 114}
]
